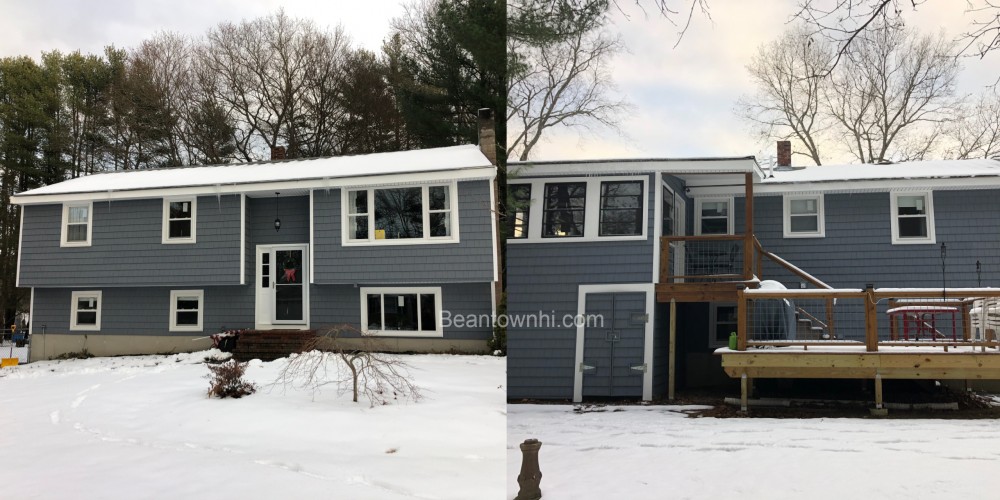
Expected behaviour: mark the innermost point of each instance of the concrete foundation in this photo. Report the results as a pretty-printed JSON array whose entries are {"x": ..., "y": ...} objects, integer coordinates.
[{"x": 52, "y": 345}]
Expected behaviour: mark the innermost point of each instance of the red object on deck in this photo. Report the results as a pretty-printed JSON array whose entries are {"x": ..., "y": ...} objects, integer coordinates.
[{"x": 923, "y": 319}]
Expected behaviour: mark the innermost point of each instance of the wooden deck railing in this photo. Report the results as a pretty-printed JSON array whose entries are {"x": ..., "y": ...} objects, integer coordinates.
[{"x": 866, "y": 303}]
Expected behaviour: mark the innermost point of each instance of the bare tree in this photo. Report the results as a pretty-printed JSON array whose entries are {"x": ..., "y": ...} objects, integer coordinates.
[
  {"x": 893, "y": 86},
  {"x": 845, "y": 21},
  {"x": 265, "y": 69},
  {"x": 562, "y": 83},
  {"x": 788, "y": 104},
  {"x": 976, "y": 133},
  {"x": 358, "y": 365}
]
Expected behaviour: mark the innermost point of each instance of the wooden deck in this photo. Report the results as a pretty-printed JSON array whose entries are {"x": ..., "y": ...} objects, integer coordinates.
[{"x": 960, "y": 362}]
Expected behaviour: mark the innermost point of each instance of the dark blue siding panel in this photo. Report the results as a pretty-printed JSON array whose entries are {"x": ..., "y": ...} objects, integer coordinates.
[
  {"x": 126, "y": 247},
  {"x": 470, "y": 260},
  {"x": 293, "y": 212},
  {"x": 144, "y": 311},
  {"x": 858, "y": 246},
  {"x": 545, "y": 277}
]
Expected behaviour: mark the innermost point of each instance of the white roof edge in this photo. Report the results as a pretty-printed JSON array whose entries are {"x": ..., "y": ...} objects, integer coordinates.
[
  {"x": 743, "y": 164},
  {"x": 465, "y": 162},
  {"x": 461, "y": 174}
]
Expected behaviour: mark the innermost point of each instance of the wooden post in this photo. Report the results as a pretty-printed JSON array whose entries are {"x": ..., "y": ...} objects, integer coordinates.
[
  {"x": 878, "y": 391},
  {"x": 967, "y": 320},
  {"x": 871, "y": 320},
  {"x": 759, "y": 270},
  {"x": 748, "y": 229},
  {"x": 665, "y": 261},
  {"x": 741, "y": 320},
  {"x": 672, "y": 355},
  {"x": 744, "y": 393}
]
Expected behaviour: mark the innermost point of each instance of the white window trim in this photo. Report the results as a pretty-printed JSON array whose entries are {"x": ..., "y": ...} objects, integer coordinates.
[
  {"x": 713, "y": 323},
  {"x": 74, "y": 297},
  {"x": 65, "y": 222},
  {"x": 435, "y": 291},
  {"x": 425, "y": 202},
  {"x": 174, "y": 295},
  {"x": 165, "y": 230},
  {"x": 820, "y": 213},
  {"x": 592, "y": 213},
  {"x": 698, "y": 202},
  {"x": 894, "y": 218}
]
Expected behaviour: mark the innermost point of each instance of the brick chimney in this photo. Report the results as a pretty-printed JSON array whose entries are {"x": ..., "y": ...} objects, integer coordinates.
[
  {"x": 277, "y": 152},
  {"x": 487, "y": 134},
  {"x": 784, "y": 153}
]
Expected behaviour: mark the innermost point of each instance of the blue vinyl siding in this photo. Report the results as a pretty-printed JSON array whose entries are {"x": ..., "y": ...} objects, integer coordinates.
[
  {"x": 143, "y": 311},
  {"x": 470, "y": 260},
  {"x": 126, "y": 247},
  {"x": 545, "y": 277}
]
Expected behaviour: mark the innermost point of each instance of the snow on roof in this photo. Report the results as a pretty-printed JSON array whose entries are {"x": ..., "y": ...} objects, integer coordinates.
[
  {"x": 720, "y": 164},
  {"x": 929, "y": 169},
  {"x": 402, "y": 162}
]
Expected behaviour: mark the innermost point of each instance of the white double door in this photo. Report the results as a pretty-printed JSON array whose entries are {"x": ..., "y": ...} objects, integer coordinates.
[{"x": 282, "y": 286}]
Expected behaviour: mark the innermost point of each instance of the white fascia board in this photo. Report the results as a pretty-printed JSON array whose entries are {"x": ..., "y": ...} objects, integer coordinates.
[
  {"x": 468, "y": 174},
  {"x": 633, "y": 167},
  {"x": 859, "y": 186}
]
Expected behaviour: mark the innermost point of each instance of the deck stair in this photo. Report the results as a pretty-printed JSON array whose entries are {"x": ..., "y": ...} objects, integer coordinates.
[{"x": 269, "y": 345}]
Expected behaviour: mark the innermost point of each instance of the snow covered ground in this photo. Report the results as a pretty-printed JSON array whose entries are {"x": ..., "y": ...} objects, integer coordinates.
[
  {"x": 657, "y": 452},
  {"x": 142, "y": 427}
]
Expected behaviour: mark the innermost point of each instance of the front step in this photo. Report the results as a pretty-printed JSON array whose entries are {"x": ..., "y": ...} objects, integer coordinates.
[{"x": 269, "y": 345}]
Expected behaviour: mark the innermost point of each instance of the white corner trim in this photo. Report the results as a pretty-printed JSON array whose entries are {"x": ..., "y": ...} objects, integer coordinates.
[
  {"x": 438, "y": 308},
  {"x": 698, "y": 202},
  {"x": 31, "y": 314},
  {"x": 787, "y": 215},
  {"x": 74, "y": 297},
  {"x": 494, "y": 212},
  {"x": 20, "y": 239},
  {"x": 176, "y": 294},
  {"x": 657, "y": 223},
  {"x": 894, "y": 218},
  {"x": 65, "y": 221},
  {"x": 312, "y": 239},
  {"x": 581, "y": 307},
  {"x": 243, "y": 238}
]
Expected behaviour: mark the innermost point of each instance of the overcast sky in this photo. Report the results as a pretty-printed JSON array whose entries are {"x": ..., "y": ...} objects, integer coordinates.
[
  {"x": 28, "y": 27},
  {"x": 684, "y": 98}
]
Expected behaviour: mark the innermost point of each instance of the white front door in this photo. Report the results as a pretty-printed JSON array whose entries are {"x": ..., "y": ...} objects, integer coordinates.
[{"x": 282, "y": 287}]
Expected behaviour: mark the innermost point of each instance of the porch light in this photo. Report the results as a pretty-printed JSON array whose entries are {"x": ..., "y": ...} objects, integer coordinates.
[{"x": 277, "y": 221}]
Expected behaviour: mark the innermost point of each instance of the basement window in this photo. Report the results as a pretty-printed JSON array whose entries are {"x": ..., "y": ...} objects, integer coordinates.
[
  {"x": 722, "y": 323},
  {"x": 912, "y": 217},
  {"x": 186, "y": 310},
  {"x": 85, "y": 311}
]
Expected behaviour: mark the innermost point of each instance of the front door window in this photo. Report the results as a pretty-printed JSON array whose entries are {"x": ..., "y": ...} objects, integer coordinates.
[{"x": 288, "y": 286}]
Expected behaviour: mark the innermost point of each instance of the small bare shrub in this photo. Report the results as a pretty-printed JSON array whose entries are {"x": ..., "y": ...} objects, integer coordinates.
[
  {"x": 364, "y": 370},
  {"x": 226, "y": 380}
]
